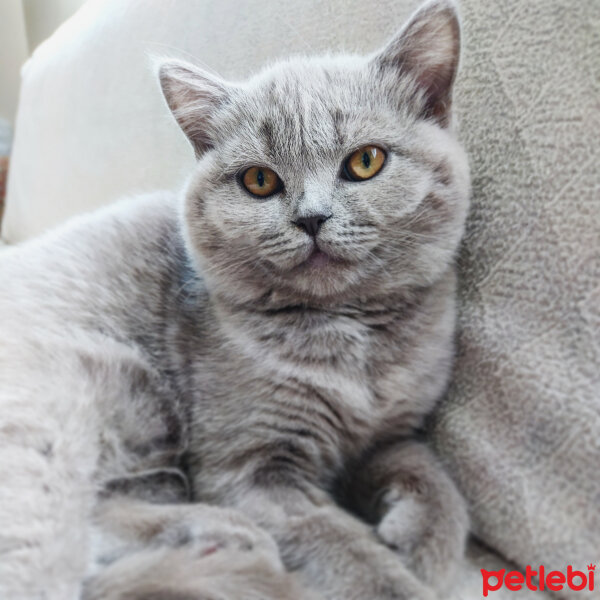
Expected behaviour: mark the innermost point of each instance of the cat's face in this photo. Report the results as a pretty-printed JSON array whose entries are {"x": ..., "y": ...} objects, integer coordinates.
[{"x": 330, "y": 178}]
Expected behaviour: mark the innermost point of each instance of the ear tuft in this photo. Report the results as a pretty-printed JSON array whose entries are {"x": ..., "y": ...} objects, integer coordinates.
[
  {"x": 428, "y": 50},
  {"x": 193, "y": 95}
]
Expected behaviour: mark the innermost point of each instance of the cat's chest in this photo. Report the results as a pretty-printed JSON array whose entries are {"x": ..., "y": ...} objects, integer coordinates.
[
  {"x": 314, "y": 363},
  {"x": 295, "y": 393},
  {"x": 333, "y": 355}
]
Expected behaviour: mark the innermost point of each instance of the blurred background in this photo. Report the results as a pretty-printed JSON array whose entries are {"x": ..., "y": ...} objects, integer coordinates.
[{"x": 23, "y": 25}]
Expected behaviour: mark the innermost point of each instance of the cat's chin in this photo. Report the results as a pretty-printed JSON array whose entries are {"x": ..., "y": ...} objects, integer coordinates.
[
  {"x": 320, "y": 263},
  {"x": 320, "y": 275}
]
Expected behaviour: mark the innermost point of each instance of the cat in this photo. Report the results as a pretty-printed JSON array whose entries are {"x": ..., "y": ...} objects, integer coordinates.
[{"x": 273, "y": 338}]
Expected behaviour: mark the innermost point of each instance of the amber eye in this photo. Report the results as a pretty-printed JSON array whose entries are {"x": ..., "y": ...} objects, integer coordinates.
[
  {"x": 261, "y": 181},
  {"x": 365, "y": 163}
]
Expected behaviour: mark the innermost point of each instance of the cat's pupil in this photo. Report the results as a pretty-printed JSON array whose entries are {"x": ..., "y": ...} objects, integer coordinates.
[
  {"x": 260, "y": 178},
  {"x": 366, "y": 159}
]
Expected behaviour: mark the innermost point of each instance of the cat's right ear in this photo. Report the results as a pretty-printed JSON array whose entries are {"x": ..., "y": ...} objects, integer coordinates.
[{"x": 193, "y": 95}]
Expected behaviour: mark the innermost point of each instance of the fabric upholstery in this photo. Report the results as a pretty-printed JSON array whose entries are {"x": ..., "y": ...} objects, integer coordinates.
[{"x": 521, "y": 425}]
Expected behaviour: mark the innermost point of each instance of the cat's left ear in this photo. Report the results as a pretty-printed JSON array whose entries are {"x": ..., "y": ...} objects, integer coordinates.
[
  {"x": 427, "y": 49},
  {"x": 194, "y": 96}
]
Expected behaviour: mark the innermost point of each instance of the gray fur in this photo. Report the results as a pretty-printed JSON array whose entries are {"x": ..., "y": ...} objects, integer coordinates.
[{"x": 158, "y": 335}]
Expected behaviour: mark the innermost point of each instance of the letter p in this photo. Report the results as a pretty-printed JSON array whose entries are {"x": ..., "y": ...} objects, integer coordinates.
[{"x": 487, "y": 587}]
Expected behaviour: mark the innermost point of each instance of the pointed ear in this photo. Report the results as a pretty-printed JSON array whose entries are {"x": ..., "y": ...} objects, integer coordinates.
[
  {"x": 193, "y": 95},
  {"x": 427, "y": 49}
]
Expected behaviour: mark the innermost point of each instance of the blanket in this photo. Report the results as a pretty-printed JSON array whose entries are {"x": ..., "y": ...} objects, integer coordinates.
[{"x": 520, "y": 427}]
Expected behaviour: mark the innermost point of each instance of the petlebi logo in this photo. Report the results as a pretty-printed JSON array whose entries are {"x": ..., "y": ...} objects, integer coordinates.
[{"x": 554, "y": 581}]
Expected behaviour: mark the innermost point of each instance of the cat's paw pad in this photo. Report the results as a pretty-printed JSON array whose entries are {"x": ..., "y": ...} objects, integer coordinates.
[
  {"x": 225, "y": 530},
  {"x": 402, "y": 526}
]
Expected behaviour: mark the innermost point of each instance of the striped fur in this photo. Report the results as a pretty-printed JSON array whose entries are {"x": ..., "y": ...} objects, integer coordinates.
[{"x": 168, "y": 335}]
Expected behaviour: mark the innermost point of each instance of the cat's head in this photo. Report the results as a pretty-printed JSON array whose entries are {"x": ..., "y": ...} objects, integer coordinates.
[{"x": 330, "y": 178}]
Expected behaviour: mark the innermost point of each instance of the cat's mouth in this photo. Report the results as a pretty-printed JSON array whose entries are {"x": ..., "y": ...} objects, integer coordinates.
[{"x": 319, "y": 259}]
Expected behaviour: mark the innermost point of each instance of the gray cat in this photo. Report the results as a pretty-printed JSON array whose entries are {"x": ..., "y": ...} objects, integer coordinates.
[{"x": 278, "y": 336}]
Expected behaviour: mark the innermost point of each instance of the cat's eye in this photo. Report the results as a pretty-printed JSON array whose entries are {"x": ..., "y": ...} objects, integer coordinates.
[
  {"x": 261, "y": 181},
  {"x": 365, "y": 163}
]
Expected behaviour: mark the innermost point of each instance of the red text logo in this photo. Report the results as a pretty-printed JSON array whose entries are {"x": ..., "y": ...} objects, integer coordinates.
[{"x": 553, "y": 581}]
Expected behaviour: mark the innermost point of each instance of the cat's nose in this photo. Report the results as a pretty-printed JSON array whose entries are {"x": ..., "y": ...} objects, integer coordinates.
[{"x": 311, "y": 224}]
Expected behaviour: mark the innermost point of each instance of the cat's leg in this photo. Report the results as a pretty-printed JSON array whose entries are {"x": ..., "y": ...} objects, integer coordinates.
[
  {"x": 415, "y": 507},
  {"x": 331, "y": 551},
  {"x": 183, "y": 551},
  {"x": 190, "y": 573},
  {"x": 123, "y": 526},
  {"x": 72, "y": 409},
  {"x": 153, "y": 507},
  {"x": 47, "y": 463}
]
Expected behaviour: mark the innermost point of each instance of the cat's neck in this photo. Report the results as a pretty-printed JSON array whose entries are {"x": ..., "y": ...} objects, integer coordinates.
[
  {"x": 374, "y": 309},
  {"x": 284, "y": 306}
]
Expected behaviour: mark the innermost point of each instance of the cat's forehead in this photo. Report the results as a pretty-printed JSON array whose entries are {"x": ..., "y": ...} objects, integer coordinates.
[
  {"x": 310, "y": 108},
  {"x": 319, "y": 80}
]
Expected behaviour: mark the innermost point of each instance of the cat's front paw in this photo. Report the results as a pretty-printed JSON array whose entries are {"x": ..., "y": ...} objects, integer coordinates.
[
  {"x": 187, "y": 572},
  {"x": 212, "y": 529},
  {"x": 199, "y": 552},
  {"x": 339, "y": 556},
  {"x": 430, "y": 543},
  {"x": 124, "y": 527},
  {"x": 403, "y": 524}
]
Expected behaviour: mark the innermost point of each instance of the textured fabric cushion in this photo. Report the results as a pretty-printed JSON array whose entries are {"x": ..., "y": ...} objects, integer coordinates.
[{"x": 520, "y": 427}]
